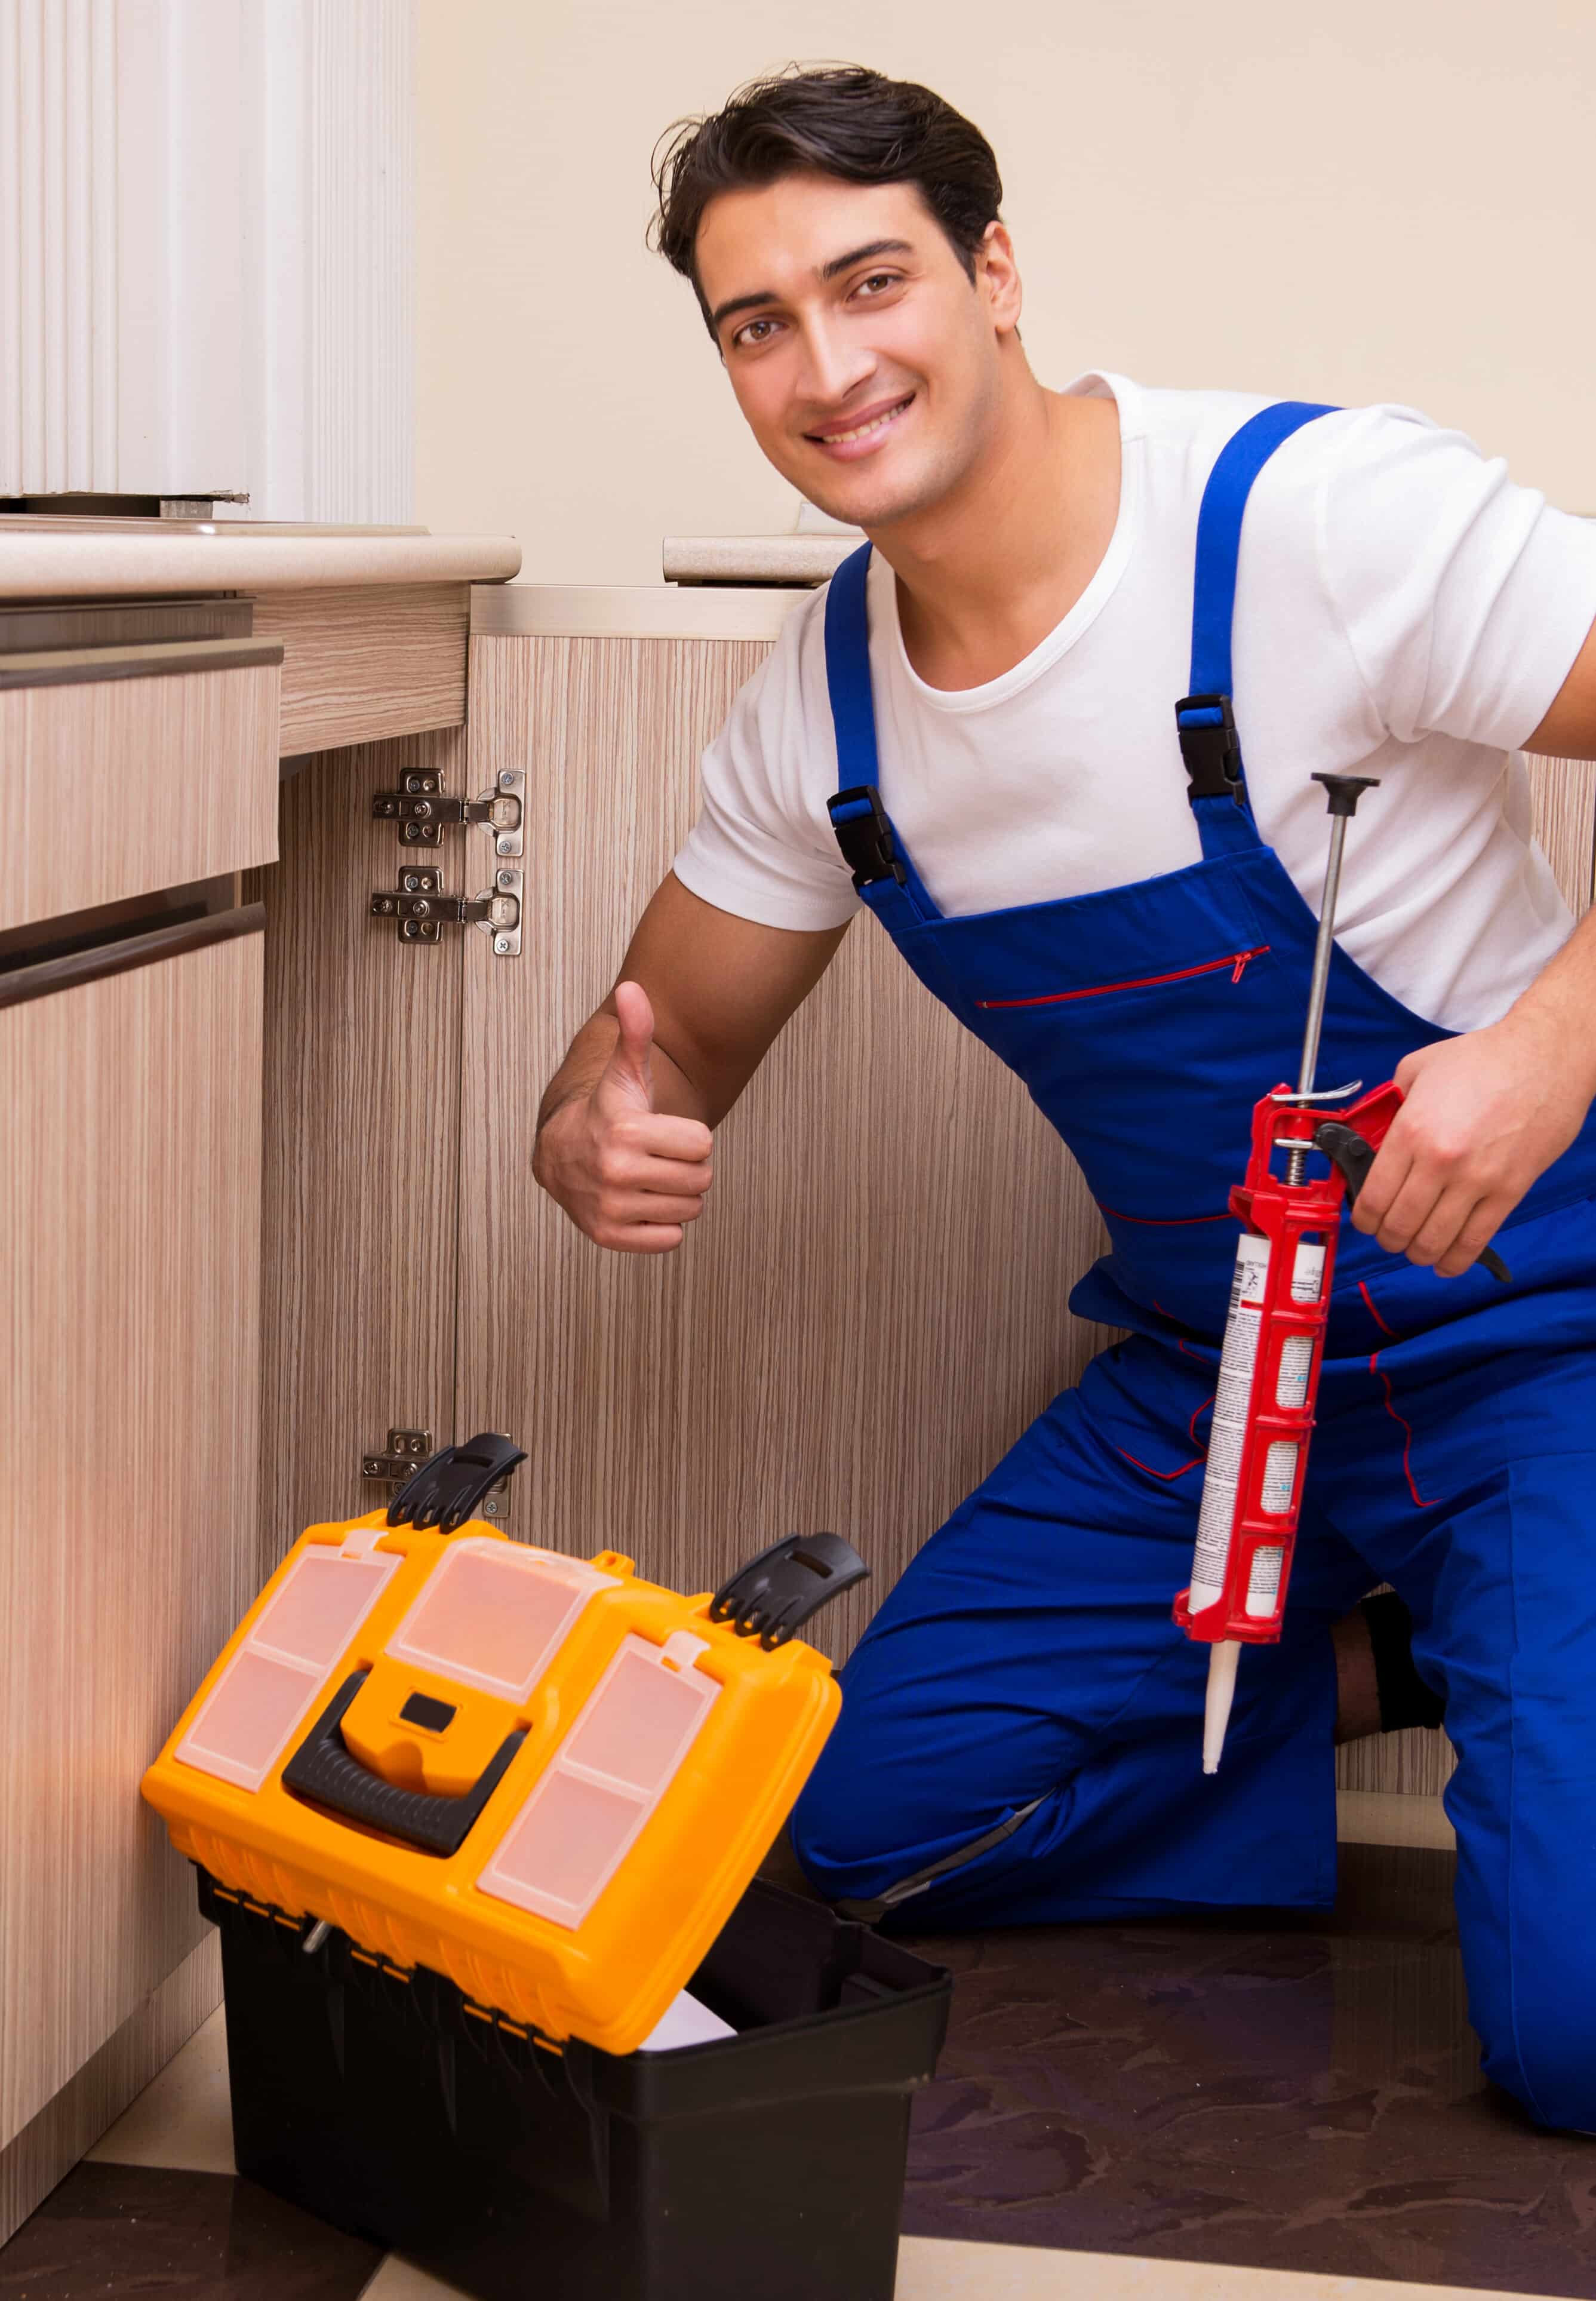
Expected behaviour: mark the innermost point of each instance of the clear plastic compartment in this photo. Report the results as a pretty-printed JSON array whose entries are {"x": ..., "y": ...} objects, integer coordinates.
[
  {"x": 604, "y": 1781},
  {"x": 276, "y": 1675},
  {"x": 495, "y": 1614}
]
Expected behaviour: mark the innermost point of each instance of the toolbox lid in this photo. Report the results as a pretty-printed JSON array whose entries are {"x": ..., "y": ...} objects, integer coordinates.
[{"x": 541, "y": 1775}]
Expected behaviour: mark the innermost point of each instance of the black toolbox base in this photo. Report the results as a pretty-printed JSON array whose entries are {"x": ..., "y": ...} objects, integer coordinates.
[{"x": 768, "y": 2165}]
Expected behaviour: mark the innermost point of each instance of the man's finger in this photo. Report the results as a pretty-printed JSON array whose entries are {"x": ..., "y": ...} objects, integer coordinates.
[
  {"x": 639, "y": 1238},
  {"x": 1441, "y": 1228},
  {"x": 1475, "y": 1236},
  {"x": 629, "y": 1074},
  {"x": 1386, "y": 1177},
  {"x": 648, "y": 1207},
  {"x": 1409, "y": 1210},
  {"x": 651, "y": 1134},
  {"x": 639, "y": 1170}
]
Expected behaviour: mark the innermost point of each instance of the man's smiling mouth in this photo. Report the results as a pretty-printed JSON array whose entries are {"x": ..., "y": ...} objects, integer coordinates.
[{"x": 836, "y": 437}]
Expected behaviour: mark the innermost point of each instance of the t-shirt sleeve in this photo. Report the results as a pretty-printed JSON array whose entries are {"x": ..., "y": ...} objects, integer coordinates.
[
  {"x": 1463, "y": 597},
  {"x": 762, "y": 847}
]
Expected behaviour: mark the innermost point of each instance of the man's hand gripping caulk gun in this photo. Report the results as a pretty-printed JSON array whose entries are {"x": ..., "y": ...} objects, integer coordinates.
[{"x": 1275, "y": 1333}]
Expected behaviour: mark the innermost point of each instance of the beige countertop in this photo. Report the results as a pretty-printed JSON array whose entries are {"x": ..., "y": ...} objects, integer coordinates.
[
  {"x": 47, "y": 558},
  {"x": 782, "y": 559}
]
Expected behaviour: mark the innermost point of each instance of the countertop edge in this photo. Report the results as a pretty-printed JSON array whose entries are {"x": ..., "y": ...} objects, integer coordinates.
[
  {"x": 637, "y": 611},
  {"x": 106, "y": 566}
]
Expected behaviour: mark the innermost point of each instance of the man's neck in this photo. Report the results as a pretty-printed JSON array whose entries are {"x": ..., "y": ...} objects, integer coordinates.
[{"x": 984, "y": 576}]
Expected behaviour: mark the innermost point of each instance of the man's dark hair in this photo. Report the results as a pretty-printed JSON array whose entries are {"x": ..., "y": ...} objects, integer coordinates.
[{"x": 840, "y": 120}]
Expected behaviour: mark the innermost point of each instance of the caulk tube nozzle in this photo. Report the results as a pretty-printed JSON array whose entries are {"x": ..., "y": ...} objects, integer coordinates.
[{"x": 1221, "y": 1693}]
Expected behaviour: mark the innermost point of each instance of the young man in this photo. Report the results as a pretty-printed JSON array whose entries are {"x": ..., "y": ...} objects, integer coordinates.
[{"x": 992, "y": 687}]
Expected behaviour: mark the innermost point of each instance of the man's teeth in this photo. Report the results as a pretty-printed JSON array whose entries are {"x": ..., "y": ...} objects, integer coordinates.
[{"x": 862, "y": 430}]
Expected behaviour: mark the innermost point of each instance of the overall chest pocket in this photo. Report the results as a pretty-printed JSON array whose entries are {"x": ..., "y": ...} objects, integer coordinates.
[{"x": 1233, "y": 963}]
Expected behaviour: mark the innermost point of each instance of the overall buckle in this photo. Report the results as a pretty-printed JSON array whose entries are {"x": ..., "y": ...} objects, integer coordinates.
[
  {"x": 1209, "y": 746},
  {"x": 864, "y": 834}
]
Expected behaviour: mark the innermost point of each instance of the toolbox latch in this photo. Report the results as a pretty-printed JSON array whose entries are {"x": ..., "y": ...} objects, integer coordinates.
[
  {"x": 445, "y": 1492},
  {"x": 776, "y": 1593}
]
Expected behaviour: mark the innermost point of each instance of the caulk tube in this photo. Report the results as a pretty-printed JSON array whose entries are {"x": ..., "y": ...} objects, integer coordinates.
[
  {"x": 1217, "y": 1517},
  {"x": 1221, "y": 1488}
]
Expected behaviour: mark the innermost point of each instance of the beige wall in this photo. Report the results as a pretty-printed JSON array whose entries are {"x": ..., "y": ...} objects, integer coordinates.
[{"x": 1384, "y": 199}]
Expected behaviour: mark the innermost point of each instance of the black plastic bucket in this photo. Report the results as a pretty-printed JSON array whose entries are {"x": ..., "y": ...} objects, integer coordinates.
[{"x": 770, "y": 2163}]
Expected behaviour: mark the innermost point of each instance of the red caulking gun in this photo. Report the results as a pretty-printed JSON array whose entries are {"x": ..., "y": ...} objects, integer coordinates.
[{"x": 1275, "y": 1333}]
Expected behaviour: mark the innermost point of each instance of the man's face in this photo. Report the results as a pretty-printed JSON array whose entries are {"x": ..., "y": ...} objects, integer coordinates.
[{"x": 864, "y": 358}]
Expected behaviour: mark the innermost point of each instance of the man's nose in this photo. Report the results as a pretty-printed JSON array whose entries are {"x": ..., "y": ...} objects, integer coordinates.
[{"x": 834, "y": 364}]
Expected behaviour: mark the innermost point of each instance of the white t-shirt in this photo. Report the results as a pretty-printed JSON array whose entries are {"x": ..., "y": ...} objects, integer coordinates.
[{"x": 1402, "y": 610}]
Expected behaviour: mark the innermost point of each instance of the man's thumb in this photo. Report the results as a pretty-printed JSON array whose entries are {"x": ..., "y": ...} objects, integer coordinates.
[{"x": 629, "y": 1068}]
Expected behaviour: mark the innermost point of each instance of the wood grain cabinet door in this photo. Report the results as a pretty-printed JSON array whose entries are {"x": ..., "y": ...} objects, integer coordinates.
[
  {"x": 874, "y": 1305},
  {"x": 129, "y": 1244}
]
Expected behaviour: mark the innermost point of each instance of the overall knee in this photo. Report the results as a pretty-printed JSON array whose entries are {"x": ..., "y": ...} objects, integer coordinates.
[{"x": 836, "y": 1828}]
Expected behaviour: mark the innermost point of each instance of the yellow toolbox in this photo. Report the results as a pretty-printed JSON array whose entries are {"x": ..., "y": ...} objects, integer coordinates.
[{"x": 540, "y": 1776}]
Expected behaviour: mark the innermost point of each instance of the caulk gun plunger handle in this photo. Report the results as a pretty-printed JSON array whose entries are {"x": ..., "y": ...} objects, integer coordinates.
[{"x": 1346, "y": 790}]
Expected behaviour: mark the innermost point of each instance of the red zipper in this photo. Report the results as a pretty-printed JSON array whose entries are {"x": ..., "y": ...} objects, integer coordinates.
[{"x": 1236, "y": 961}]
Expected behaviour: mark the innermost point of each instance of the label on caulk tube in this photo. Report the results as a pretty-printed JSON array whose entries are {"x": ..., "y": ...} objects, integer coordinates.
[{"x": 1238, "y": 1359}]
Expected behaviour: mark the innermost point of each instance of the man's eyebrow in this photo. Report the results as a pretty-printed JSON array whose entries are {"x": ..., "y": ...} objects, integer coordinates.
[
  {"x": 827, "y": 271},
  {"x": 863, "y": 254}
]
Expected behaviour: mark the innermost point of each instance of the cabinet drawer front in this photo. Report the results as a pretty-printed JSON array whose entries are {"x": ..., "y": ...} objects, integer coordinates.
[{"x": 133, "y": 769}]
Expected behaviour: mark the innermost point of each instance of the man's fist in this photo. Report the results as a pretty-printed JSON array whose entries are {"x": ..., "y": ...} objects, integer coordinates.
[
  {"x": 629, "y": 1176},
  {"x": 1485, "y": 1114}
]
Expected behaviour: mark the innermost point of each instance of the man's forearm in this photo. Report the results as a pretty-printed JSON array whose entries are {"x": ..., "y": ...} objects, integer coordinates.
[{"x": 1563, "y": 998}]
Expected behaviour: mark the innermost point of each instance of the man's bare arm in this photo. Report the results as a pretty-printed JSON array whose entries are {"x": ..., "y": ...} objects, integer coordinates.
[
  {"x": 1568, "y": 731},
  {"x": 623, "y": 1132},
  {"x": 1488, "y": 1112}
]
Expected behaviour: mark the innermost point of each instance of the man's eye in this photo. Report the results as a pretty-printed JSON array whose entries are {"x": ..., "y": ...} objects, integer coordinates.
[
  {"x": 880, "y": 280},
  {"x": 748, "y": 333}
]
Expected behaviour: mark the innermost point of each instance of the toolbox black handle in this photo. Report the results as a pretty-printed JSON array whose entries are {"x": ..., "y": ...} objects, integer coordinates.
[
  {"x": 777, "y": 1592},
  {"x": 324, "y": 1768},
  {"x": 449, "y": 1485}
]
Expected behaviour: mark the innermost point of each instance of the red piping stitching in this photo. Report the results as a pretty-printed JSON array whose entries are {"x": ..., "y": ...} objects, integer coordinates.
[
  {"x": 1374, "y": 1314},
  {"x": 1406, "y": 1430},
  {"x": 1236, "y": 961},
  {"x": 1151, "y": 1473},
  {"x": 1191, "y": 1426}
]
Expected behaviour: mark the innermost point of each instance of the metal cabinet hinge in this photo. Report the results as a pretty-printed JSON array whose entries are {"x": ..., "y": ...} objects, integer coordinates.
[
  {"x": 424, "y": 809},
  {"x": 406, "y": 1451},
  {"x": 421, "y": 909}
]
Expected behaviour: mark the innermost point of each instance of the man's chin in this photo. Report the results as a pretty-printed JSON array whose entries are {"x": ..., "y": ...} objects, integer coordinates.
[{"x": 875, "y": 504}]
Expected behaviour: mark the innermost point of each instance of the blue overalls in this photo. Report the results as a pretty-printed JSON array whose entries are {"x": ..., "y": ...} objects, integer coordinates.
[{"x": 1021, "y": 1723}]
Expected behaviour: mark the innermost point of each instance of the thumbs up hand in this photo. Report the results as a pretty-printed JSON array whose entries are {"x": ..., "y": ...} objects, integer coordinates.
[{"x": 630, "y": 1176}]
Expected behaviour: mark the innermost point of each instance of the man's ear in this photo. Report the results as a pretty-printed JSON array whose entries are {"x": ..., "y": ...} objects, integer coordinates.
[{"x": 997, "y": 277}]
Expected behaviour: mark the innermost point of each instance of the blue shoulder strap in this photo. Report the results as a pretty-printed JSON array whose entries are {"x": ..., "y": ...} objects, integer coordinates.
[
  {"x": 885, "y": 878},
  {"x": 1204, "y": 718}
]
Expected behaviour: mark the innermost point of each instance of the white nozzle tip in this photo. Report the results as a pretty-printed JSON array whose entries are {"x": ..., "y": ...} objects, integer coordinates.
[{"x": 1221, "y": 1693}]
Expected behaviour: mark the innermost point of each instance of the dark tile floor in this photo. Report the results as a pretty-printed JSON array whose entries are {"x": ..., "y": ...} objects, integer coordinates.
[
  {"x": 1276, "y": 2092},
  {"x": 1293, "y": 2093},
  {"x": 114, "y": 2230}
]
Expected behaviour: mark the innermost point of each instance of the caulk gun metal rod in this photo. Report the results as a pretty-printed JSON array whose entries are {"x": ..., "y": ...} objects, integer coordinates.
[{"x": 1323, "y": 947}]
